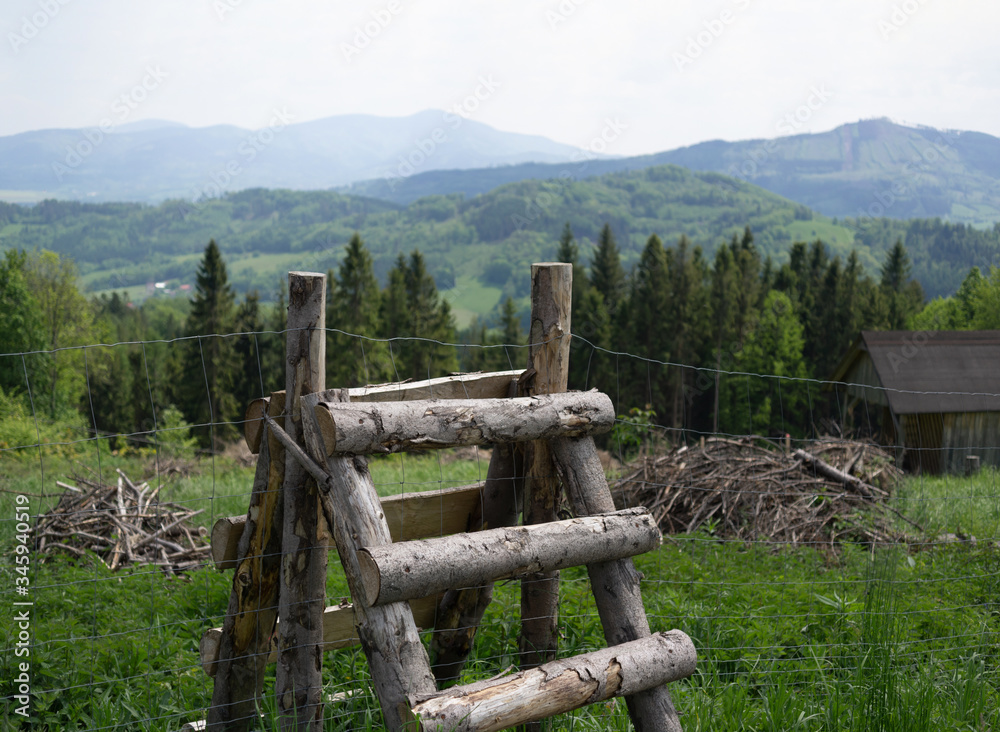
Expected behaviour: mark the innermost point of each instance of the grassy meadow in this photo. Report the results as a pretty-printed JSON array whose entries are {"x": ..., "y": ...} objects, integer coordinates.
[{"x": 806, "y": 638}]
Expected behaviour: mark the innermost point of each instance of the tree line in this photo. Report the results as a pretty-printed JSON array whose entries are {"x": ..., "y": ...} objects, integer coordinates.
[{"x": 731, "y": 343}]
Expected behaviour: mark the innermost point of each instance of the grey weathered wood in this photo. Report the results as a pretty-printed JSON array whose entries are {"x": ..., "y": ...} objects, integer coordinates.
[
  {"x": 397, "y": 659},
  {"x": 360, "y": 429},
  {"x": 492, "y": 385},
  {"x": 547, "y": 373},
  {"x": 559, "y": 686},
  {"x": 244, "y": 641},
  {"x": 411, "y": 569},
  {"x": 462, "y": 609},
  {"x": 615, "y": 584},
  {"x": 298, "y": 679}
]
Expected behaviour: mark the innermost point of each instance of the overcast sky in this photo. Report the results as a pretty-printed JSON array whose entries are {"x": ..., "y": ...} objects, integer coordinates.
[{"x": 666, "y": 74}]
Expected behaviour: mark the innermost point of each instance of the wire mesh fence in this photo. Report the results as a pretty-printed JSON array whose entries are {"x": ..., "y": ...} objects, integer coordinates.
[{"x": 814, "y": 603}]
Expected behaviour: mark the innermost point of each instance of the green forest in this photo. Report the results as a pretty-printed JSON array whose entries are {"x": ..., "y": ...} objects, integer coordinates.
[{"x": 730, "y": 342}]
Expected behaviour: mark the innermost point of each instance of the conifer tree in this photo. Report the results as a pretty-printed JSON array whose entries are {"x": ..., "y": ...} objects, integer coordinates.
[
  {"x": 353, "y": 356},
  {"x": 606, "y": 273},
  {"x": 210, "y": 398},
  {"x": 903, "y": 296},
  {"x": 650, "y": 333}
]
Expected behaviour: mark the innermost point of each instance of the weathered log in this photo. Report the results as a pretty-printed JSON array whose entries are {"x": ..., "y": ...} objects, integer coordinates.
[
  {"x": 338, "y": 632},
  {"x": 492, "y": 385},
  {"x": 361, "y": 429},
  {"x": 559, "y": 686},
  {"x": 547, "y": 373},
  {"x": 824, "y": 468},
  {"x": 615, "y": 584},
  {"x": 397, "y": 659},
  {"x": 245, "y": 638},
  {"x": 409, "y": 515},
  {"x": 298, "y": 679},
  {"x": 462, "y": 609},
  {"x": 410, "y": 569}
]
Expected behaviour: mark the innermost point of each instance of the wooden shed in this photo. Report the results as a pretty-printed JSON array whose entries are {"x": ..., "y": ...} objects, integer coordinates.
[{"x": 937, "y": 394}]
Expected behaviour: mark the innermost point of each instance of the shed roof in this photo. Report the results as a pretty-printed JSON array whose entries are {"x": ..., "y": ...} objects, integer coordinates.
[{"x": 930, "y": 371}]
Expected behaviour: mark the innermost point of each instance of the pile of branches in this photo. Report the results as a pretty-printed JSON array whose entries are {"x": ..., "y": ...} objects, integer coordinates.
[
  {"x": 753, "y": 490},
  {"x": 122, "y": 524}
]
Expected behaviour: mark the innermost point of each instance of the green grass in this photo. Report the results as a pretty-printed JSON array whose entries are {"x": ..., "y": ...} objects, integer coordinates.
[
  {"x": 469, "y": 298},
  {"x": 902, "y": 638}
]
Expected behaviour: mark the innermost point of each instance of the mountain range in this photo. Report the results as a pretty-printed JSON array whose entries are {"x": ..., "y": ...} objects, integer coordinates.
[{"x": 871, "y": 168}]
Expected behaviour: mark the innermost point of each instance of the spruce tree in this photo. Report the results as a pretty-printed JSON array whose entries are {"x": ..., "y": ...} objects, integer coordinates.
[
  {"x": 353, "y": 357},
  {"x": 650, "y": 330},
  {"x": 606, "y": 273},
  {"x": 210, "y": 363},
  {"x": 903, "y": 296}
]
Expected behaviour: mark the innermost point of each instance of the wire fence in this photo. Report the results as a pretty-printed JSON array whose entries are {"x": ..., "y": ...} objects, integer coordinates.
[{"x": 830, "y": 630}]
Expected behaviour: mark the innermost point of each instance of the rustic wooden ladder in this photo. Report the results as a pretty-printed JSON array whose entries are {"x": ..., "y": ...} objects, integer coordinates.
[
  {"x": 383, "y": 575},
  {"x": 534, "y": 438}
]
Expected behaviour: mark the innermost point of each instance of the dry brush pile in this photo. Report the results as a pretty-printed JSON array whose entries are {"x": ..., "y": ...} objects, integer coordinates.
[
  {"x": 122, "y": 524},
  {"x": 751, "y": 489}
]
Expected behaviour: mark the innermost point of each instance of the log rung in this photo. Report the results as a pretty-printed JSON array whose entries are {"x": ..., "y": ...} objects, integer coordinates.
[
  {"x": 338, "y": 631},
  {"x": 558, "y": 687},
  {"x": 405, "y": 570}
]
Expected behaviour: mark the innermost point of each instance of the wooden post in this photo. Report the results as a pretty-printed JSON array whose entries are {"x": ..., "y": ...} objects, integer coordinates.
[
  {"x": 548, "y": 358},
  {"x": 245, "y": 640},
  {"x": 615, "y": 584},
  {"x": 298, "y": 681}
]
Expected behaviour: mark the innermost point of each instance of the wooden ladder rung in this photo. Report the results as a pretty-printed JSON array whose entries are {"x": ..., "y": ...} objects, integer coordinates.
[
  {"x": 409, "y": 569},
  {"x": 559, "y": 686}
]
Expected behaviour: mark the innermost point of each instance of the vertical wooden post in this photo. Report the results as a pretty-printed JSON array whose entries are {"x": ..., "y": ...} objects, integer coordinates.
[
  {"x": 253, "y": 604},
  {"x": 298, "y": 682},
  {"x": 548, "y": 372}
]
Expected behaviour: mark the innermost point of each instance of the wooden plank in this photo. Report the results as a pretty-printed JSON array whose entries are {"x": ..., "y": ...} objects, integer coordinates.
[
  {"x": 338, "y": 631},
  {"x": 252, "y": 611},
  {"x": 477, "y": 385},
  {"x": 299, "y": 676},
  {"x": 361, "y": 429},
  {"x": 615, "y": 584},
  {"x": 558, "y": 687},
  {"x": 410, "y": 569},
  {"x": 548, "y": 361},
  {"x": 409, "y": 515}
]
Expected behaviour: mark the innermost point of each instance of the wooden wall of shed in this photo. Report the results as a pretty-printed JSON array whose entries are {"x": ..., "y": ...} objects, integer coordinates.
[
  {"x": 864, "y": 382},
  {"x": 922, "y": 437},
  {"x": 970, "y": 433}
]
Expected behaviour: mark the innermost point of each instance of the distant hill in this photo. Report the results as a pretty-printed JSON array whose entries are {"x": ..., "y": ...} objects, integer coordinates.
[
  {"x": 871, "y": 168},
  {"x": 477, "y": 248},
  {"x": 153, "y": 160}
]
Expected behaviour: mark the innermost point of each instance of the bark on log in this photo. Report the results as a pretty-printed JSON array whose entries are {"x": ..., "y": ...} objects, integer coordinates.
[
  {"x": 361, "y": 429},
  {"x": 397, "y": 659},
  {"x": 245, "y": 638},
  {"x": 298, "y": 679},
  {"x": 615, "y": 584},
  {"x": 338, "y": 631},
  {"x": 462, "y": 610},
  {"x": 828, "y": 471},
  {"x": 559, "y": 686},
  {"x": 492, "y": 385},
  {"x": 409, "y": 515},
  {"x": 547, "y": 373},
  {"x": 412, "y": 569}
]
